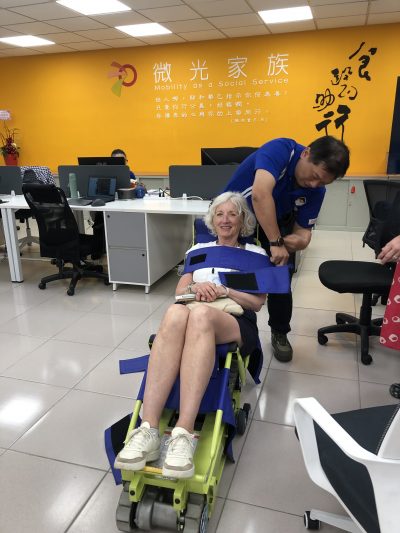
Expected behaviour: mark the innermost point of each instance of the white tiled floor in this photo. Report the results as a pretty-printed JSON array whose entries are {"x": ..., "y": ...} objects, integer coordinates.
[{"x": 60, "y": 388}]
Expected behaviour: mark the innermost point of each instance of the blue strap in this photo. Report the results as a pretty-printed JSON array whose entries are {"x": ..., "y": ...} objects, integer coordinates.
[
  {"x": 134, "y": 365},
  {"x": 139, "y": 364},
  {"x": 255, "y": 272},
  {"x": 274, "y": 280},
  {"x": 225, "y": 257}
]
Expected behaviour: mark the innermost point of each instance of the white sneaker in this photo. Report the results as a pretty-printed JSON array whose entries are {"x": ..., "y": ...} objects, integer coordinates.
[
  {"x": 179, "y": 459},
  {"x": 141, "y": 446}
]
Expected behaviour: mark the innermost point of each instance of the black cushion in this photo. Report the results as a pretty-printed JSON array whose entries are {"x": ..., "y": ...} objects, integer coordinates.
[
  {"x": 355, "y": 277},
  {"x": 350, "y": 479}
]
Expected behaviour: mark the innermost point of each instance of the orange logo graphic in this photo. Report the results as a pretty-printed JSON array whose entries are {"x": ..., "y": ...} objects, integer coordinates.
[{"x": 126, "y": 75}]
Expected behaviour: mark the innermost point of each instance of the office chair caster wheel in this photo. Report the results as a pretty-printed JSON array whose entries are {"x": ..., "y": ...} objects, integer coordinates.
[
  {"x": 42, "y": 285},
  {"x": 106, "y": 282},
  {"x": 366, "y": 359},
  {"x": 322, "y": 339},
  {"x": 309, "y": 523},
  {"x": 70, "y": 292},
  {"x": 375, "y": 299}
]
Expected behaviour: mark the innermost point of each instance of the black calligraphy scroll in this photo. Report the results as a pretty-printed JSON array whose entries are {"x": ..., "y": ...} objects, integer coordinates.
[{"x": 334, "y": 103}]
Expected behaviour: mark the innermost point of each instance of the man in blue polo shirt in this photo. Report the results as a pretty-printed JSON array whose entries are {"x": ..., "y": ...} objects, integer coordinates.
[{"x": 284, "y": 184}]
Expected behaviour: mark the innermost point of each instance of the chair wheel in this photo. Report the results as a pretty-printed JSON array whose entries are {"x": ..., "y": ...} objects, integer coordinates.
[
  {"x": 106, "y": 282},
  {"x": 375, "y": 299},
  {"x": 309, "y": 523},
  {"x": 322, "y": 339},
  {"x": 71, "y": 292},
  {"x": 247, "y": 408},
  {"x": 126, "y": 512},
  {"x": 42, "y": 285},
  {"x": 366, "y": 359},
  {"x": 241, "y": 421}
]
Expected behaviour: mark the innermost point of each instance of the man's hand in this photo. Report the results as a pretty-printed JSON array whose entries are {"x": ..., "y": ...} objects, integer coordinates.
[
  {"x": 279, "y": 255},
  {"x": 299, "y": 239}
]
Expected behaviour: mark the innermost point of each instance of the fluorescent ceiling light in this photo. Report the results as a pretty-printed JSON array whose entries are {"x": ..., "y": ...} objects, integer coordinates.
[
  {"x": 143, "y": 30},
  {"x": 94, "y": 7},
  {"x": 289, "y": 14},
  {"x": 26, "y": 40}
]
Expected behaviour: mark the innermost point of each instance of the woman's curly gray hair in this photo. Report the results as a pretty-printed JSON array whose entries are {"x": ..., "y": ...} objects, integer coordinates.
[{"x": 248, "y": 221}]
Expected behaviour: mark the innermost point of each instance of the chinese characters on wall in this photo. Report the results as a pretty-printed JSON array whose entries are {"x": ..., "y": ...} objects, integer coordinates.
[
  {"x": 334, "y": 104},
  {"x": 231, "y": 95}
]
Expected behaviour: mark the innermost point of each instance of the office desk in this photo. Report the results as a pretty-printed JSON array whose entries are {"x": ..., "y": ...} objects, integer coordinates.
[{"x": 144, "y": 238}]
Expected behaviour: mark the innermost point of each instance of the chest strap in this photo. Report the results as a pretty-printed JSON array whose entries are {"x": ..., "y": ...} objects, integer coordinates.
[{"x": 256, "y": 273}]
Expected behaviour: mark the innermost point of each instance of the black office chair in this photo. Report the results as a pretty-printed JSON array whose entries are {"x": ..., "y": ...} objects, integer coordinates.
[
  {"x": 60, "y": 238},
  {"x": 362, "y": 277},
  {"x": 379, "y": 194},
  {"x": 31, "y": 174},
  {"x": 355, "y": 456}
]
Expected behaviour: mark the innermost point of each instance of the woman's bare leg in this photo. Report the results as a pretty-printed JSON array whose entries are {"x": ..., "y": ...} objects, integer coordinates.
[
  {"x": 205, "y": 328},
  {"x": 164, "y": 362}
]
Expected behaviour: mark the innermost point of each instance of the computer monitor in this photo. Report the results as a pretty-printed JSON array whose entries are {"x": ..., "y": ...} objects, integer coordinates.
[
  {"x": 225, "y": 156},
  {"x": 10, "y": 180},
  {"x": 98, "y": 187},
  {"x": 84, "y": 172},
  {"x": 106, "y": 160},
  {"x": 195, "y": 180}
]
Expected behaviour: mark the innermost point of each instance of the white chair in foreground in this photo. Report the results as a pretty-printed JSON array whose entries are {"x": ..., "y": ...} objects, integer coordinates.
[{"x": 355, "y": 456}]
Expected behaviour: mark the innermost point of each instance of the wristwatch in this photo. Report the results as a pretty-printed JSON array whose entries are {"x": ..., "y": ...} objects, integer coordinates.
[{"x": 279, "y": 242}]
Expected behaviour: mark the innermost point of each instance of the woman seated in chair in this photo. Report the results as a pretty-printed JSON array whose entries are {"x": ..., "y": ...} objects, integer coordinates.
[{"x": 185, "y": 345}]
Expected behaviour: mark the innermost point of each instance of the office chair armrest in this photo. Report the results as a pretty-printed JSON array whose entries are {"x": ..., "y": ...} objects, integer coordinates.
[
  {"x": 308, "y": 410},
  {"x": 384, "y": 473}
]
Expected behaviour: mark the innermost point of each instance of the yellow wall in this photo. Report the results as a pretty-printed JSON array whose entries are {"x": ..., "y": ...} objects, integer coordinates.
[{"x": 64, "y": 106}]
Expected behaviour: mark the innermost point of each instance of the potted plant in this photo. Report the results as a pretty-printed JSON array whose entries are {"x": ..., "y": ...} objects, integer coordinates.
[{"x": 9, "y": 147}]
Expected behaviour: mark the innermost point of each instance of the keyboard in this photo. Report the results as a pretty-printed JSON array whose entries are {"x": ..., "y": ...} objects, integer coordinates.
[{"x": 79, "y": 201}]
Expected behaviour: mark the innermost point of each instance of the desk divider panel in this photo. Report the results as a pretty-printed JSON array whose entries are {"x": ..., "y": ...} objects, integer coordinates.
[
  {"x": 83, "y": 172},
  {"x": 10, "y": 180},
  {"x": 205, "y": 181}
]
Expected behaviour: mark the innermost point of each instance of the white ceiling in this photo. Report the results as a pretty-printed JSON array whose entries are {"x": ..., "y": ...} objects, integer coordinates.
[{"x": 189, "y": 20}]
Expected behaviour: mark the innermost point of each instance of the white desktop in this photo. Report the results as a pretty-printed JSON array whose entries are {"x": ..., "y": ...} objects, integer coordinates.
[{"x": 145, "y": 238}]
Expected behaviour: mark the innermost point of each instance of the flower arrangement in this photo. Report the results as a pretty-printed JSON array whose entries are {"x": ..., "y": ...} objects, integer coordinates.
[{"x": 7, "y": 139}]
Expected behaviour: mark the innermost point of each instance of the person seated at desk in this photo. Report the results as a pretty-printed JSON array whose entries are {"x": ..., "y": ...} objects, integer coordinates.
[
  {"x": 185, "y": 344},
  {"x": 117, "y": 152}
]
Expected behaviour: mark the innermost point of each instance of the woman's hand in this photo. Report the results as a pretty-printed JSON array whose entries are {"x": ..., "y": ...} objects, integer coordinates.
[
  {"x": 206, "y": 291},
  {"x": 391, "y": 251}
]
